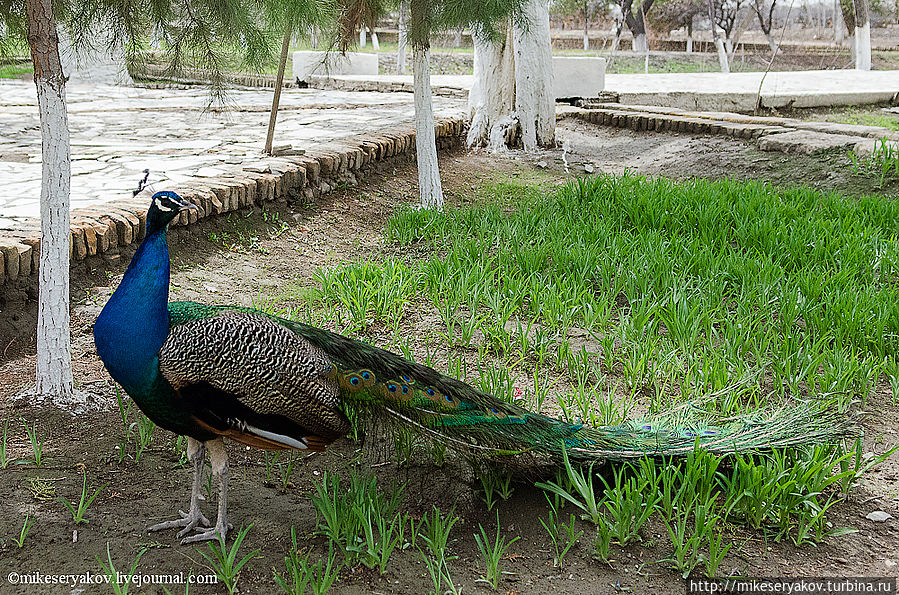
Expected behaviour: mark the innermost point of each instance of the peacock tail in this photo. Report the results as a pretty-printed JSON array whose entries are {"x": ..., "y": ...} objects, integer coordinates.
[{"x": 377, "y": 382}]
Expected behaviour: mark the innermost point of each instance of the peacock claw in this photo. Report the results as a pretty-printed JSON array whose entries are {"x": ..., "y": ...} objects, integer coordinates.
[
  {"x": 213, "y": 534},
  {"x": 187, "y": 522}
]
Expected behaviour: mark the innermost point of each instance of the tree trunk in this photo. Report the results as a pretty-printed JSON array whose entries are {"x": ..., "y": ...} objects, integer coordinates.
[
  {"x": 492, "y": 95},
  {"x": 719, "y": 44},
  {"x": 837, "y": 23},
  {"x": 535, "y": 101},
  {"x": 401, "y": 41},
  {"x": 636, "y": 22},
  {"x": 848, "y": 9},
  {"x": 771, "y": 43},
  {"x": 54, "y": 357},
  {"x": 586, "y": 27},
  {"x": 862, "y": 36},
  {"x": 457, "y": 39},
  {"x": 737, "y": 32},
  {"x": 513, "y": 86},
  {"x": 690, "y": 36},
  {"x": 276, "y": 98},
  {"x": 362, "y": 40},
  {"x": 430, "y": 189}
]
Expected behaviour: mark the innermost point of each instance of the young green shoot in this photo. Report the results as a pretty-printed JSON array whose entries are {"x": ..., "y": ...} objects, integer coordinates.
[
  {"x": 223, "y": 561},
  {"x": 492, "y": 552},
  {"x": 23, "y": 533},
  {"x": 120, "y": 582},
  {"x": 84, "y": 502}
]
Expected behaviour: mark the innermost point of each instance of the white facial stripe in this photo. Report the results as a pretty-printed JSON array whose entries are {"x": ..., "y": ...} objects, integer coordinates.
[{"x": 160, "y": 206}]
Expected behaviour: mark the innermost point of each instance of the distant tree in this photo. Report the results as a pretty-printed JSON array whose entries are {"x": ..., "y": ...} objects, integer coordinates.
[
  {"x": 401, "y": 37},
  {"x": 862, "y": 35},
  {"x": 764, "y": 12},
  {"x": 187, "y": 28},
  {"x": 586, "y": 10},
  {"x": 716, "y": 38},
  {"x": 675, "y": 14},
  {"x": 847, "y": 7},
  {"x": 636, "y": 21}
]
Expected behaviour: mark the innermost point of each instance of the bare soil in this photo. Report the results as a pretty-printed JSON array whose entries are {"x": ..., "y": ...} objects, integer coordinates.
[{"x": 238, "y": 258}]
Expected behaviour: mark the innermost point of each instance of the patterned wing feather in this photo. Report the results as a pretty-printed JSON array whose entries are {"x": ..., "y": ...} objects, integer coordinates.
[{"x": 270, "y": 371}]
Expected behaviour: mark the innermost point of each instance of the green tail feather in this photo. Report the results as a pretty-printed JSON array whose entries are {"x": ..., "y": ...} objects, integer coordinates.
[{"x": 459, "y": 415}]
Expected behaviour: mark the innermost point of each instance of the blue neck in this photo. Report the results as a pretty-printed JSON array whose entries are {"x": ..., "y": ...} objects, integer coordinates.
[{"x": 135, "y": 321}]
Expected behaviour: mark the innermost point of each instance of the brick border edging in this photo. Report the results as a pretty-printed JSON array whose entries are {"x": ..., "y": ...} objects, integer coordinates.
[{"x": 104, "y": 227}]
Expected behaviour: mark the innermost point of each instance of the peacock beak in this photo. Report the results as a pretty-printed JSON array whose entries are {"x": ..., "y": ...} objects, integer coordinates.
[{"x": 185, "y": 205}]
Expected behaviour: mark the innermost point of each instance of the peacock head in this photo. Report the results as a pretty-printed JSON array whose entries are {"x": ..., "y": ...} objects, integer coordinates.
[{"x": 166, "y": 205}]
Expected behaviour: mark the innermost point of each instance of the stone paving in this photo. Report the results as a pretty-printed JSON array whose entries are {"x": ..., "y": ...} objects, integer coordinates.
[{"x": 117, "y": 132}]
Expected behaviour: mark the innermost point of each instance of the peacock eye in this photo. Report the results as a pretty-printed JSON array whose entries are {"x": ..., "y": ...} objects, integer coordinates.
[
  {"x": 448, "y": 398},
  {"x": 391, "y": 388},
  {"x": 354, "y": 380},
  {"x": 366, "y": 375},
  {"x": 405, "y": 390},
  {"x": 431, "y": 392}
]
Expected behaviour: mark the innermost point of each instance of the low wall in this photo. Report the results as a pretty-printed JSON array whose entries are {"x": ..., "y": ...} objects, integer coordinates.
[
  {"x": 103, "y": 228},
  {"x": 309, "y": 63}
]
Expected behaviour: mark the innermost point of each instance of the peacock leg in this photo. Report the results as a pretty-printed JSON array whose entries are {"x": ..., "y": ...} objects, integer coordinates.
[
  {"x": 196, "y": 454},
  {"x": 218, "y": 457}
]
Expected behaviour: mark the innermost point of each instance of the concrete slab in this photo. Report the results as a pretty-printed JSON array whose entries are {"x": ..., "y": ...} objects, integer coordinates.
[
  {"x": 807, "y": 142},
  {"x": 740, "y": 91},
  {"x": 703, "y": 91},
  {"x": 578, "y": 77},
  {"x": 307, "y": 63}
]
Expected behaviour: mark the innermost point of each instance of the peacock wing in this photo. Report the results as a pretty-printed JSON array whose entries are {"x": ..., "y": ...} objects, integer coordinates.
[{"x": 247, "y": 377}]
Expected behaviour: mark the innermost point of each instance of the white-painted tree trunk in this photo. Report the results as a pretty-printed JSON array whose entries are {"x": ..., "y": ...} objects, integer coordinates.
[
  {"x": 586, "y": 30},
  {"x": 54, "y": 358},
  {"x": 430, "y": 188},
  {"x": 513, "y": 84},
  {"x": 863, "y": 47},
  {"x": 771, "y": 43},
  {"x": 837, "y": 22},
  {"x": 53, "y": 370},
  {"x": 362, "y": 39},
  {"x": 401, "y": 40},
  {"x": 640, "y": 43},
  {"x": 535, "y": 102},
  {"x": 722, "y": 55},
  {"x": 374, "y": 42},
  {"x": 492, "y": 95}
]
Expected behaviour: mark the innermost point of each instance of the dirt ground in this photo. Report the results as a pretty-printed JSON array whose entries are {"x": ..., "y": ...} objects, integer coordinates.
[{"x": 244, "y": 256}]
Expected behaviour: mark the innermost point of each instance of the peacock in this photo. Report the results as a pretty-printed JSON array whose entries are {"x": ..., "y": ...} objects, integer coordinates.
[{"x": 214, "y": 372}]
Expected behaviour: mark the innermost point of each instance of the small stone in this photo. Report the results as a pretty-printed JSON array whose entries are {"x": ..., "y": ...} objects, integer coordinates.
[
  {"x": 878, "y": 516},
  {"x": 589, "y": 168},
  {"x": 210, "y": 288},
  {"x": 542, "y": 164}
]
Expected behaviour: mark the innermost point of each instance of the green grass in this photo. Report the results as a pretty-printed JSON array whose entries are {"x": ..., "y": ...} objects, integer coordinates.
[
  {"x": 15, "y": 71},
  {"x": 865, "y": 116},
  {"x": 676, "y": 290}
]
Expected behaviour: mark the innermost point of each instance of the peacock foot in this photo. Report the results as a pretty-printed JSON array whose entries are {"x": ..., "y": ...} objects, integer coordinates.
[
  {"x": 195, "y": 521},
  {"x": 217, "y": 533}
]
